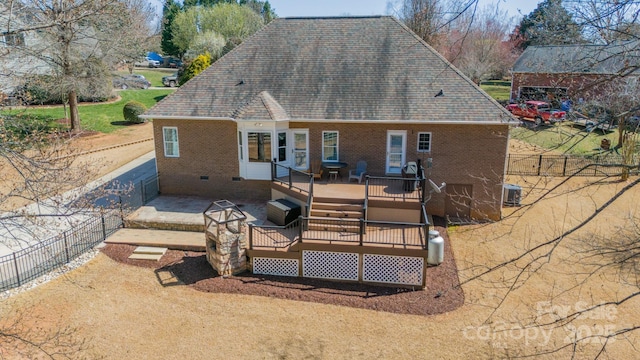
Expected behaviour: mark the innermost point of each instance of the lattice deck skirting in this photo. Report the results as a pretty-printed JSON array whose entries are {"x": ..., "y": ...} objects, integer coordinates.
[
  {"x": 275, "y": 266},
  {"x": 405, "y": 270},
  {"x": 376, "y": 268},
  {"x": 330, "y": 265}
]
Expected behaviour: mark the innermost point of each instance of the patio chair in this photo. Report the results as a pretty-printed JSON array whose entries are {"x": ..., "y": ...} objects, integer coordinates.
[
  {"x": 316, "y": 169},
  {"x": 359, "y": 172}
]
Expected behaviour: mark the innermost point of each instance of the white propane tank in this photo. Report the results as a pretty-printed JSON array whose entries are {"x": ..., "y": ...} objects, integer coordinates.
[{"x": 435, "y": 255}]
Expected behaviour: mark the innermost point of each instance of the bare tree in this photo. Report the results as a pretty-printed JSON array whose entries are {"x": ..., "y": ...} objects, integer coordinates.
[
  {"x": 68, "y": 40},
  {"x": 40, "y": 169},
  {"x": 579, "y": 259},
  {"x": 477, "y": 44},
  {"x": 607, "y": 21},
  {"x": 473, "y": 39},
  {"x": 22, "y": 337},
  {"x": 430, "y": 19}
]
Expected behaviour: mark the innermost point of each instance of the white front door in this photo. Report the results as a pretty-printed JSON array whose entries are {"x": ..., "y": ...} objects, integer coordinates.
[
  {"x": 396, "y": 144},
  {"x": 300, "y": 150}
]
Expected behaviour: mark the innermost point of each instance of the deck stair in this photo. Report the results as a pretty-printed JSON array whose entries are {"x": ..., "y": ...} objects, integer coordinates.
[{"x": 329, "y": 214}]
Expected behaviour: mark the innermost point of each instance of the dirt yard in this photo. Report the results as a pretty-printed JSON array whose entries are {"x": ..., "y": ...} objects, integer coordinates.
[
  {"x": 124, "y": 311},
  {"x": 102, "y": 162}
]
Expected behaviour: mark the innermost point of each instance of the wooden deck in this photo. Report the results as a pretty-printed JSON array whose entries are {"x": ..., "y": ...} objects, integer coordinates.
[{"x": 343, "y": 189}]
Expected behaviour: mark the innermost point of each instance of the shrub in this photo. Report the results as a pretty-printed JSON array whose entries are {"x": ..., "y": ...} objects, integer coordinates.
[
  {"x": 198, "y": 65},
  {"x": 132, "y": 111}
]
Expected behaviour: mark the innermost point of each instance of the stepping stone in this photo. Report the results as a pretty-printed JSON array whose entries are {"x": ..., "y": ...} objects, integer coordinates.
[
  {"x": 153, "y": 250},
  {"x": 155, "y": 257},
  {"x": 148, "y": 253}
]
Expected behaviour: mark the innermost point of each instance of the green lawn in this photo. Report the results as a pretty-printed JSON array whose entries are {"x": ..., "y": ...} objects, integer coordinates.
[
  {"x": 499, "y": 90},
  {"x": 565, "y": 138},
  {"x": 153, "y": 75},
  {"x": 103, "y": 117}
]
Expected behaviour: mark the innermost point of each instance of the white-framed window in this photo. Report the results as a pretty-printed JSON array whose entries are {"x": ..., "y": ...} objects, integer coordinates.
[
  {"x": 330, "y": 146},
  {"x": 14, "y": 39},
  {"x": 170, "y": 139},
  {"x": 240, "y": 147},
  {"x": 259, "y": 146},
  {"x": 424, "y": 142}
]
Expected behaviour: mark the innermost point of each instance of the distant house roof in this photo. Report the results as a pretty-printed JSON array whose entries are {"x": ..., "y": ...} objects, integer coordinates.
[
  {"x": 584, "y": 59},
  {"x": 345, "y": 68}
]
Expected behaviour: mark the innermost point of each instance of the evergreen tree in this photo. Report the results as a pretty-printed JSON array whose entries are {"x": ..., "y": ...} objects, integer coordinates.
[
  {"x": 261, "y": 7},
  {"x": 169, "y": 11},
  {"x": 206, "y": 3},
  {"x": 549, "y": 24}
]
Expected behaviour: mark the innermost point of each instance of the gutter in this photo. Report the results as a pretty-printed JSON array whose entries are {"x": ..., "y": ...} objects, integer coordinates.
[{"x": 339, "y": 121}]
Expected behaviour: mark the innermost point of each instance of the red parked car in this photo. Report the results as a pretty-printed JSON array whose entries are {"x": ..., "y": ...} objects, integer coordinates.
[{"x": 538, "y": 111}]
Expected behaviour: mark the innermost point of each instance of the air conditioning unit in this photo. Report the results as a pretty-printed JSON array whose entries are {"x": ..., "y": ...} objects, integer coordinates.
[{"x": 512, "y": 194}]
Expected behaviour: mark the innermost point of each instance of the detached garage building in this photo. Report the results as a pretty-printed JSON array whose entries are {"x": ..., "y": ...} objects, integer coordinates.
[{"x": 553, "y": 73}]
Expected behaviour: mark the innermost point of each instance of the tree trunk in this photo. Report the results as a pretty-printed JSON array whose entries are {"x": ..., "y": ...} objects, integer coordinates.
[{"x": 73, "y": 111}]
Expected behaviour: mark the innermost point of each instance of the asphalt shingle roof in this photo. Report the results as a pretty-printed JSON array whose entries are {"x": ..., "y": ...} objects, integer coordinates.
[
  {"x": 349, "y": 68},
  {"x": 587, "y": 59}
]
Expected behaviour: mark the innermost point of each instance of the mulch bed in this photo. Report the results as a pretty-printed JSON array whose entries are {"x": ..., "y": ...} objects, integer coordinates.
[{"x": 442, "y": 293}]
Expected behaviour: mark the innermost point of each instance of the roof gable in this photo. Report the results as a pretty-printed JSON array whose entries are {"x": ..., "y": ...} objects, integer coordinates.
[
  {"x": 349, "y": 68},
  {"x": 263, "y": 106}
]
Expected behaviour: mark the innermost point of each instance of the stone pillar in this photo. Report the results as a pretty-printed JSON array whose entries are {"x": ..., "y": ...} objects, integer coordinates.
[{"x": 226, "y": 250}]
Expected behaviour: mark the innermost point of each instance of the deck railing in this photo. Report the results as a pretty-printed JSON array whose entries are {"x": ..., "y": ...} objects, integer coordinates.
[
  {"x": 393, "y": 187},
  {"x": 332, "y": 231},
  {"x": 292, "y": 178},
  {"x": 273, "y": 236}
]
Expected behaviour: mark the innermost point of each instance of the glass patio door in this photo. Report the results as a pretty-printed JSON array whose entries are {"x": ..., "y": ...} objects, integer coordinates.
[
  {"x": 300, "y": 149},
  {"x": 396, "y": 143},
  {"x": 281, "y": 154}
]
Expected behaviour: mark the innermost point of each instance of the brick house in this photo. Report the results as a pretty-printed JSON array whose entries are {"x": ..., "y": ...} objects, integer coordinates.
[
  {"x": 337, "y": 90},
  {"x": 571, "y": 71}
]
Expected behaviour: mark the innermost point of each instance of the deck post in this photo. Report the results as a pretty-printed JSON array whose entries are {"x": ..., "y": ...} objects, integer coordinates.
[
  {"x": 361, "y": 231},
  {"x": 290, "y": 179},
  {"x": 251, "y": 236},
  {"x": 273, "y": 169},
  {"x": 300, "y": 228}
]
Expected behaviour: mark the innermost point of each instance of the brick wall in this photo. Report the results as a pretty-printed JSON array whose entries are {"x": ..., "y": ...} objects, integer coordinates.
[
  {"x": 461, "y": 154},
  {"x": 207, "y": 148},
  {"x": 578, "y": 85}
]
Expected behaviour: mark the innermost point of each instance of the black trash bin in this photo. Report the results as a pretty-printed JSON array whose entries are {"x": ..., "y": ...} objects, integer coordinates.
[{"x": 410, "y": 171}]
